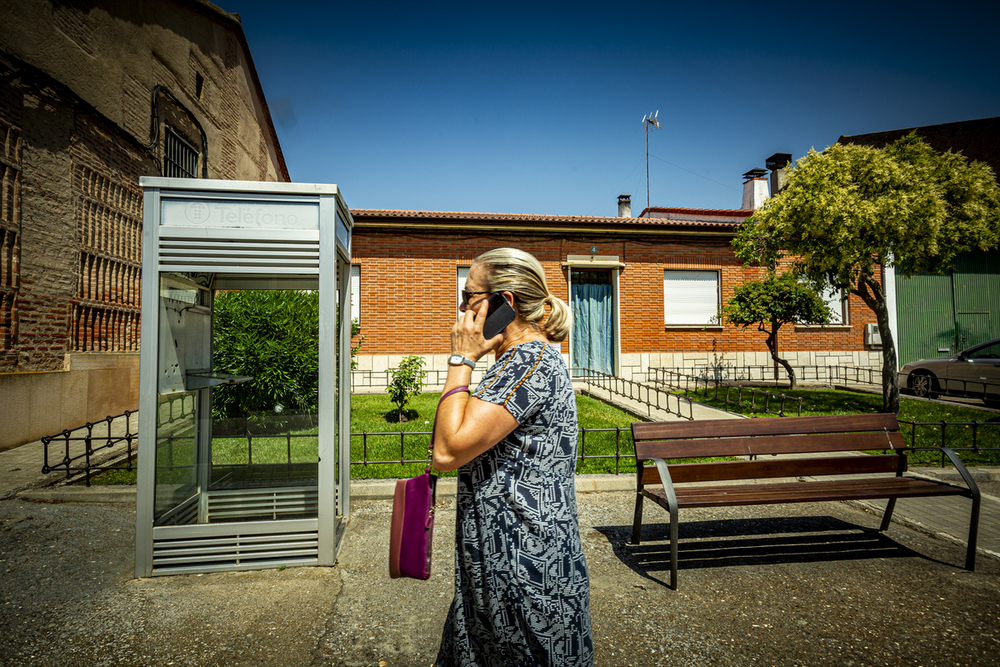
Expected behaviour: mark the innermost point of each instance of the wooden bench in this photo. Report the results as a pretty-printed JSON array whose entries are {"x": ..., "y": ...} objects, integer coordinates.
[{"x": 776, "y": 448}]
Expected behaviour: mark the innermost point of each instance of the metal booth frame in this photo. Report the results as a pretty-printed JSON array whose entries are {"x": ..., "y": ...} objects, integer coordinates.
[{"x": 200, "y": 236}]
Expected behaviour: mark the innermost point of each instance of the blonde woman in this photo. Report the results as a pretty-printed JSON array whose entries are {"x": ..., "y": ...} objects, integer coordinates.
[{"x": 522, "y": 588}]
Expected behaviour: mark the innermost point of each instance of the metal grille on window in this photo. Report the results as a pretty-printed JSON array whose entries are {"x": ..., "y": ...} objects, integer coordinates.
[{"x": 180, "y": 158}]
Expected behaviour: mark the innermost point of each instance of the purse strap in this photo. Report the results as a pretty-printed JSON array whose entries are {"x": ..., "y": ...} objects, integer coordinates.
[{"x": 430, "y": 448}]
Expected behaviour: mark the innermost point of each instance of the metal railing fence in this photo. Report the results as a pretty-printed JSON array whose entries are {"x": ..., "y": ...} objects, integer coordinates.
[
  {"x": 711, "y": 389},
  {"x": 368, "y": 379},
  {"x": 79, "y": 451},
  {"x": 723, "y": 373},
  {"x": 975, "y": 442},
  {"x": 651, "y": 397},
  {"x": 62, "y": 450}
]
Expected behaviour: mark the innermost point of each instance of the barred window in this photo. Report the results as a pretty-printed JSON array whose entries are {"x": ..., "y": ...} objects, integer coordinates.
[
  {"x": 180, "y": 158},
  {"x": 10, "y": 234}
]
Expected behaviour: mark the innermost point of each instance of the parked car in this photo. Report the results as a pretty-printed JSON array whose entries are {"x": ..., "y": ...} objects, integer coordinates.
[{"x": 974, "y": 372}]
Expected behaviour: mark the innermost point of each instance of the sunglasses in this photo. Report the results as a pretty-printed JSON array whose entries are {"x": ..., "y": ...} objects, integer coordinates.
[{"x": 466, "y": 295}]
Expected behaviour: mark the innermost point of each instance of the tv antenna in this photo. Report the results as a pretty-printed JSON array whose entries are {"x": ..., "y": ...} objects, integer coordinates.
[{"x": 647, "y": 120}]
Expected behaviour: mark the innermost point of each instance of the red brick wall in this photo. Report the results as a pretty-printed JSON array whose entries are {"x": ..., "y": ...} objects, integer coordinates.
[{"x": 408, "y": 292}]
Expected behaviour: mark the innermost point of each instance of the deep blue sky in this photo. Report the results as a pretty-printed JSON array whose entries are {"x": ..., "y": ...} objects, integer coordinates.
[{"x": 537, "y": 107}]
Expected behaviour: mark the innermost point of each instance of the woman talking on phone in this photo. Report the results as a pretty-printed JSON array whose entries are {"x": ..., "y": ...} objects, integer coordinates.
[{"x": 522, "y": 589}]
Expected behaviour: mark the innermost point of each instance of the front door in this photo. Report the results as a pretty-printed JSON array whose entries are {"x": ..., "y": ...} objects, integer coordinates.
[{"x": 592, "y": 299}]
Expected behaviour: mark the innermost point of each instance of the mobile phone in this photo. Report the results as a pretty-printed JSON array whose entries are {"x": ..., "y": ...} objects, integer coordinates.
[{"x": 498, "y": 316}]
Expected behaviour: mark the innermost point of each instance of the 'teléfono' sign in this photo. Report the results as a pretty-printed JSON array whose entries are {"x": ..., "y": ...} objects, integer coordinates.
[{"x": 253, "y": 214}]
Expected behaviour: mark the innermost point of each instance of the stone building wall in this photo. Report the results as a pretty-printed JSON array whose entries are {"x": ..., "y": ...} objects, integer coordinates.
[{"x": 90, "y": 95}]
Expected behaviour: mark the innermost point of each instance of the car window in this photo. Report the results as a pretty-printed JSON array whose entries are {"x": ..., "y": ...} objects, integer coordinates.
[{"x": 988, "y": 352}]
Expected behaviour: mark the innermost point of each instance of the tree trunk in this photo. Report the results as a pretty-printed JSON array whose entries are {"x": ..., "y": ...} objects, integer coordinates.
[
  {"x": 772, "y": 345},
  {"x": 874, "y": 297},
  {"x": 788, "y": 369},
  {"x": 774, "y": 350}
]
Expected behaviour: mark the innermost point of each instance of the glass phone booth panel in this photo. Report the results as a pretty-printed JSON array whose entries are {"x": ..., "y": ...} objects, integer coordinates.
[{"x": 244, "y": 376}]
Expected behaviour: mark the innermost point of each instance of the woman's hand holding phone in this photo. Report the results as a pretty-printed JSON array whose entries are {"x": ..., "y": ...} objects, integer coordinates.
[{"x": 467, "y": 337}]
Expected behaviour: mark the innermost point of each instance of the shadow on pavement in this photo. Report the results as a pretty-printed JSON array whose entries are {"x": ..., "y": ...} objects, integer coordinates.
[{"x": 739, "y": 542}]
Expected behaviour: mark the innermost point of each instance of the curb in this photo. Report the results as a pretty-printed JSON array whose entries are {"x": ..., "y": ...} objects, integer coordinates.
[
  {"x": 384, "y": 489},
  {"x": 93, "y": 494},
  {"x": 361, "y": 489}
]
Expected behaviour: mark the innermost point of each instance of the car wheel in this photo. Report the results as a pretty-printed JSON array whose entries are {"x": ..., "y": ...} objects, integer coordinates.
[{"x": 922, "y": 384}]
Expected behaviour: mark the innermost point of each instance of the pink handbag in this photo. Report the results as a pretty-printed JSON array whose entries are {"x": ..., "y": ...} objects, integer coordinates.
[{"x": 413, "y": 520}]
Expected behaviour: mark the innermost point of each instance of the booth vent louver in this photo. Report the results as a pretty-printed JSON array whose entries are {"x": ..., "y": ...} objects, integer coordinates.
[
  {"x": 231, "y": 550},
  {"x": 265, "y": 254}
]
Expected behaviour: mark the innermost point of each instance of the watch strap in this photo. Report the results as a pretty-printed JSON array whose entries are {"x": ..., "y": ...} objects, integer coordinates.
[{"x": 457, "y": 359}]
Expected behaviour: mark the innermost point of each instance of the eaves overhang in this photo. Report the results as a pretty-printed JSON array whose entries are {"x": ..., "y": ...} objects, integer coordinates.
[{"x": 434, "y": 221}]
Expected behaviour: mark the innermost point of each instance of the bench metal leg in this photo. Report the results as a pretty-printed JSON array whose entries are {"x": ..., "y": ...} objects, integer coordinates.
[
  {"x": 887, "y": 517},
  {"x": 673, "y": 547},
  {"x": 970, "y": 554},
  {"x": 637, "y": 521}
]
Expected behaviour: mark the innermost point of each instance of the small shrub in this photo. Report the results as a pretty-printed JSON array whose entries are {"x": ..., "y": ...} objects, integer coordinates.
[
  {"x": 355, "y": 333},
  {"x": 407, "y": 381}
]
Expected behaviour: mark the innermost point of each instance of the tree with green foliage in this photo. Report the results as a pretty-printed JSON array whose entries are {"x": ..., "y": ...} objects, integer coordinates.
[
  {"x": 273, "y": 337},
  {"x": 769, "y": 303},
  {"x": 407, "y": 381},
  {"x": 847, "y": 212}
]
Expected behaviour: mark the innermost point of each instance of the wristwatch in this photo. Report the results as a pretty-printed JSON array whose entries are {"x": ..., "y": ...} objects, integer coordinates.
[{"x": 457, "y": 360}]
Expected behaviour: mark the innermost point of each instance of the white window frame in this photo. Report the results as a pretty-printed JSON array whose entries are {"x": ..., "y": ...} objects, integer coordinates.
[
  {"x": 356, "y": 292},
  {"x": 836, "y": 303},
  {"x": 685, "y": 295},
  {"x": 462, "y": 274}
]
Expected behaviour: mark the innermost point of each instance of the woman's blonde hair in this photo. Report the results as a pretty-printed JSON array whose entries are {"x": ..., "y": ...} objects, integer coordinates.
[{"x": 518, "y": 272}]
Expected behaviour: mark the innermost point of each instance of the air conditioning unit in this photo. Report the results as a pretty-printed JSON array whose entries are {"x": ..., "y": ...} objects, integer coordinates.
[{"x": 872, "y": 335}]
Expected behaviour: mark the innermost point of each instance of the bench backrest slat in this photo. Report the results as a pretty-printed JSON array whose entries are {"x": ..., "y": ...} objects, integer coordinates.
[
  {"x": 779, "y": 444},
  {"x": 776, "y": 467},
  {"x": 764, "y": 426}
]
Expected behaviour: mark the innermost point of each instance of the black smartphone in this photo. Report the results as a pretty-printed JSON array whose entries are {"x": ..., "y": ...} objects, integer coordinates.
[{"x": 499, "y": 315}]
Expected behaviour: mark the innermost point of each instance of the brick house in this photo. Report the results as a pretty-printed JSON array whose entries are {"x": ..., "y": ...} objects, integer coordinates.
[
  {"x": 664, "y": 275},
  {"x": 93, "y": 96}
]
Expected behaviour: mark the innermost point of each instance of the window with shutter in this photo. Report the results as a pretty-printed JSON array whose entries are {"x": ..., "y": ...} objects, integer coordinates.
[{"x": 690, "y": 297}]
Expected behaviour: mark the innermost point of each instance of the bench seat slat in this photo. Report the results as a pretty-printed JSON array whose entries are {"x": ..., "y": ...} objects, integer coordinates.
[
  {"x": 765, "y": 494},
  {"x": 778, "y": 444},
  {"x": 779, "y": 467},
  {"x": 765, "y": 426}
]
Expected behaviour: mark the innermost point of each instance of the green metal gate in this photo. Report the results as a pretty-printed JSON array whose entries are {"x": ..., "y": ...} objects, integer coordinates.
[{"x": 939, "y": 315}]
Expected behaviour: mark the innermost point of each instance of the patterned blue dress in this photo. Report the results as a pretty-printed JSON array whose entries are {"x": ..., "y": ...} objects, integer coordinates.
[{"x": 522, "y": 589}]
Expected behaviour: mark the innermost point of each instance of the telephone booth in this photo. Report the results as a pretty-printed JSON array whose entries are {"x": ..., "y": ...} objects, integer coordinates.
[{"x": 244, "y": 453}]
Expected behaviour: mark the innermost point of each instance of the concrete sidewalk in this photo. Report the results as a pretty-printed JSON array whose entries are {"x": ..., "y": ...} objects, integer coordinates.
[{"x": 804, "y": 584}]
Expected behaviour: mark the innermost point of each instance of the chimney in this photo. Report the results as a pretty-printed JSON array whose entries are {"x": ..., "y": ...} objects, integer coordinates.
[
  {"x": 624, "y": 206},
  {"x": 754, "y": 189},
  {"x": 778, "y": 164}
]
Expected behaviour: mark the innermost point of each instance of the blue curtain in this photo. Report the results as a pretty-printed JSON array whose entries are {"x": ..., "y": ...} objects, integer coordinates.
[{"x": 593, "y": 328}]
